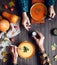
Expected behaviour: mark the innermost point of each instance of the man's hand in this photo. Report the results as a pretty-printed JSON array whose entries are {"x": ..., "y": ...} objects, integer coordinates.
[
  {"x": 40, "y": 42},
  {"x": 14, "y": 53},
  {"x": 51, "y": 12},
  {"x": 25, "y": 21}
]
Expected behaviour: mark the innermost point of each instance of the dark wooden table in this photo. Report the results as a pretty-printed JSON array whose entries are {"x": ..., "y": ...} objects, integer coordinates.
[{"x": 49, "y": 40}]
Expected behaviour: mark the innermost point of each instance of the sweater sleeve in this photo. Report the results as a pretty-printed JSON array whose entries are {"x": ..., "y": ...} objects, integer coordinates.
[
  {"x": 9, "y": 60},
  {"x": 23, "y": 4},
  {"x": 50, "y": 2}
]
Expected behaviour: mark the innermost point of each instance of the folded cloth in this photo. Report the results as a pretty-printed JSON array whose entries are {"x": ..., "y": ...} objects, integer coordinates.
[
  {"x": 4, "y": 37},
  {"x": 4, "y": 42},
  {"x": 14, "y": 30}
]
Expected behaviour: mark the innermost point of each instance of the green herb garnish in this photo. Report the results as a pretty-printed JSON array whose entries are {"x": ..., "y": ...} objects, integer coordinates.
[{"x": 25, "y": 49}]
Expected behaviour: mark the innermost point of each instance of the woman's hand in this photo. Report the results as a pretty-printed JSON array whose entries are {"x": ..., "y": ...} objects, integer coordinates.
[
  {"x": 40, "y": 42},
  {"x": 25, "y": 21},
  {"x": 14, "y": 53},
  {"x": 51, "y": 12}
]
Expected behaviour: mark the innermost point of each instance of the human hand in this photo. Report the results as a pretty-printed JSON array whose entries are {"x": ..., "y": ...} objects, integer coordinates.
[
  {"x": 25, "y": 21},
  {"x": 14, "y": 53},
  {"x": 51, "y": 12},
  {"x": 40, "y": 41}
]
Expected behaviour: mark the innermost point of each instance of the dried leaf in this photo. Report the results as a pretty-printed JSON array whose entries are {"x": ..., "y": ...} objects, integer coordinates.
[
  {"x": 53, "y": 46},
  {"x": 1, "y": 8},
  {"x": 11, "y": 4},
  {"x": 0, "y": 17},
  {"x": 55, "y": 57},
  {"x": 4, "y": 59},
  {"x": 4, "y": 54},
  {"x": 5, "y": 39}
]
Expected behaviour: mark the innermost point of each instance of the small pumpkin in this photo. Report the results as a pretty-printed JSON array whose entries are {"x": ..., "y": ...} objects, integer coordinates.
[
  {"x": 11, "y": 17},
  {"x": 4, "y": 25}
]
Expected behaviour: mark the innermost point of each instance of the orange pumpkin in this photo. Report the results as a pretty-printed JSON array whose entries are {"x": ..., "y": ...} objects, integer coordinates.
[
  {"x": 11, "y": 17},
  {"x": 4, "y": 25}
]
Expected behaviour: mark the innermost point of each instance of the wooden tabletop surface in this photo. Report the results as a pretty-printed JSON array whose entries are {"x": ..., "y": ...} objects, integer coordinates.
[{"x": 49, "y": 40}]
